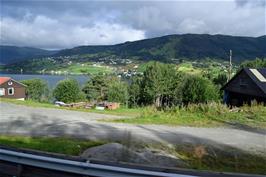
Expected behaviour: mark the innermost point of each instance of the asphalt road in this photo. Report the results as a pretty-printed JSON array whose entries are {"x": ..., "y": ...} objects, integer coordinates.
[{"x": 18, "y": 119}]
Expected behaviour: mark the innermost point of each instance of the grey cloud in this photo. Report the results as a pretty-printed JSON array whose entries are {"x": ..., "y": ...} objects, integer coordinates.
[
  {"x": 242, "y": 3},
  {"x": 61, "y": 24}
]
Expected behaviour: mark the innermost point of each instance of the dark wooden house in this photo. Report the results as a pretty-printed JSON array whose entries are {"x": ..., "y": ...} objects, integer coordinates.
[
  {"x": 10, "y": 88},
  {"x": 247, "y": 85}
]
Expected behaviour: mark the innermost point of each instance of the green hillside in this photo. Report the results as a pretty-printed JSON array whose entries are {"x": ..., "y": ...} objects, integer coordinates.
[
  {"x": 192, "y": 46},
  {"x": 12, "y": 54}
]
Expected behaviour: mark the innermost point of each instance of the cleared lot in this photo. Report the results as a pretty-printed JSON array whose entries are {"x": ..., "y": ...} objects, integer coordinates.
[{"x": 17, "y": 119}]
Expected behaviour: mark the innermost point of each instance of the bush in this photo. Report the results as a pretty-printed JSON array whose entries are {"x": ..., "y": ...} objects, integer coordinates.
[
  {"x": 196, "y": 89},
  {"x": 36, "y": 89},
  {"x": 68, "y": 91}
]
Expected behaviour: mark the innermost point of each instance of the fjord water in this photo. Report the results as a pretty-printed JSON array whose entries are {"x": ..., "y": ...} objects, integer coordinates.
[{"x": 50, "y": 79}]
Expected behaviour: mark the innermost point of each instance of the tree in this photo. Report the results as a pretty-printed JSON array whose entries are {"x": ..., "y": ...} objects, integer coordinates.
[
  {"x": 97, "y": 86},
  {"x": 134, "y": 91},
  {"x": 118, "y": 92},
  {"x": 159, "y": 85},
  {"x": 68, "y": 91},
  {"x": 36, "y": 89},
  {"x": 196, "y": 89}
]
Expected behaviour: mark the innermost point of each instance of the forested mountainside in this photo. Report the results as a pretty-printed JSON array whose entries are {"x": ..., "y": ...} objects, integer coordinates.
[
  {"x": 12, "y": 54},
  {"x": 191, "y": 46}
]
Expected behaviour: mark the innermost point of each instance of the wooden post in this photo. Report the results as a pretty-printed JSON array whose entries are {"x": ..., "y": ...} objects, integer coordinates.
[{"x": 230, "y": 66}]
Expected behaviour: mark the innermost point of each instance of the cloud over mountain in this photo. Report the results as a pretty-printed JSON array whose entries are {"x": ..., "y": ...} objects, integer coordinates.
[{"x": 64, "y": 24}]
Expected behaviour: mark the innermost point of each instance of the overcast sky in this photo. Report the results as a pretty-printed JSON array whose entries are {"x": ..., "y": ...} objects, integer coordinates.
[{"x": 65, "y": 24}]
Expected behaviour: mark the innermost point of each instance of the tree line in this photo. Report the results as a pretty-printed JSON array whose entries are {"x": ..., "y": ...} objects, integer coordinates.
[{"x": 160, "y": 85}]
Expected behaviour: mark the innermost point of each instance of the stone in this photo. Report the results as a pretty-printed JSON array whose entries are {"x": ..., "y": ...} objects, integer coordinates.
[{"x": 115, "y": 152}]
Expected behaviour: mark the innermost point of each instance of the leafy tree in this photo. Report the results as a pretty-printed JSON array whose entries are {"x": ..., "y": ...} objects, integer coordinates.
[
  {"x": 68, "y": 91},
  {"x": 118, "y": 92},
  {"x": 196, "y": 89},
  {"x": 97, "y": 87},
  {"x": 134, "y": 91},
  {"x": 36, "y": 89},
  {"x": 159, "y": 85}
]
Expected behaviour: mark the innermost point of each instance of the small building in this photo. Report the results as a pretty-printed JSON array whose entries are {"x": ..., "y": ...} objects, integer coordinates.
[
  {"x": 246, "y": 86},
  {"x": 107, "y": 105},
  {"x": 9, "y": 88},
  {"x": 112, "y": 106}
]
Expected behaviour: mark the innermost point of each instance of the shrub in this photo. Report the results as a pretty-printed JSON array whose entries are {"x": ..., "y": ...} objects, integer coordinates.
[{"x": 196, "y": 89}]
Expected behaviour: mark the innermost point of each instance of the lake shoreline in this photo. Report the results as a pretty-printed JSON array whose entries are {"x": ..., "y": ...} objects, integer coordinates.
[{"x": 33, "y": 73}]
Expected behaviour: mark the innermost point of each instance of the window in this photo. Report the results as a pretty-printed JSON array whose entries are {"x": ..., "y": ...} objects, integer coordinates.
[
  {"x": 11, "y": 91},
  {"x": 10, "y": 83},
  {"x": 2, "y": 91},
  {"x": 243, "y": 83}
]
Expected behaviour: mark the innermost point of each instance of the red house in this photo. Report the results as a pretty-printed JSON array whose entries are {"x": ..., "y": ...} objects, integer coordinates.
[{"x": 9, "y": 88}]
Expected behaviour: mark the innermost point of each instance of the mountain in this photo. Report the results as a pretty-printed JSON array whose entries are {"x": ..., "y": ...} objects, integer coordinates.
[
  {"x": 191, "y": 46},
  {"x": 12, "y": 54},
  {"x": 186, "y": 46}
]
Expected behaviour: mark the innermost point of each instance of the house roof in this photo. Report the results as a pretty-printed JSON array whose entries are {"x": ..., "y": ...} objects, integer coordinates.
[
  {"x": 257, "y": 75},
  {"x": 4, "y": 79}
]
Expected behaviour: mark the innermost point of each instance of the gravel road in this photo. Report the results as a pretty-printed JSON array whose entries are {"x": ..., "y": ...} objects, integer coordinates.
[{"x": 18, "y": 119}]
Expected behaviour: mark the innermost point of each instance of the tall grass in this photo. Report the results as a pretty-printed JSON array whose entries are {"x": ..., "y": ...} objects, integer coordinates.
[{"x": 210, "y": 114}]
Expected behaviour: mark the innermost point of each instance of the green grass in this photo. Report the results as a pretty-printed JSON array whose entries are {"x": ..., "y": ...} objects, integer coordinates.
[
  {"x": 188, "y": 68},
  {"x": 122, "y": 111},
  {"x": 66, "y": 146},
  {"x": 86, "y": 68},
  {"x": 217, "y": 158},
  {"x": 226, "y": 159},
  {"x": 203, "y": 115},
  {"x": 28, "y": 103}
]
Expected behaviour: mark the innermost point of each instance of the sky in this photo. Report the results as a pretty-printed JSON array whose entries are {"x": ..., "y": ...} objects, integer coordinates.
[{"x": 62, "y": 24}]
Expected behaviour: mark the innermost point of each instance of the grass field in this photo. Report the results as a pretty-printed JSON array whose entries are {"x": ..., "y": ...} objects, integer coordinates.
[
  {"x": 66, "y": 146},
  {"x": 86, "y": 68}
]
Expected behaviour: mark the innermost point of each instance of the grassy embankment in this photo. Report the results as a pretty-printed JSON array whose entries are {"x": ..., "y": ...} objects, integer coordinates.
[
  {"x": 227, "y": 160},
  {"x": 219, "y": 158},
  {"x": 66, "y": 146},
  {"x": 198, "y": 157},
  {"x": 201, "y": 115}
]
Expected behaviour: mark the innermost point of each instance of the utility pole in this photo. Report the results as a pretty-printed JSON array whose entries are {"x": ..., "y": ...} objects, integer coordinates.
[{"x": 230, "y": 66}]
